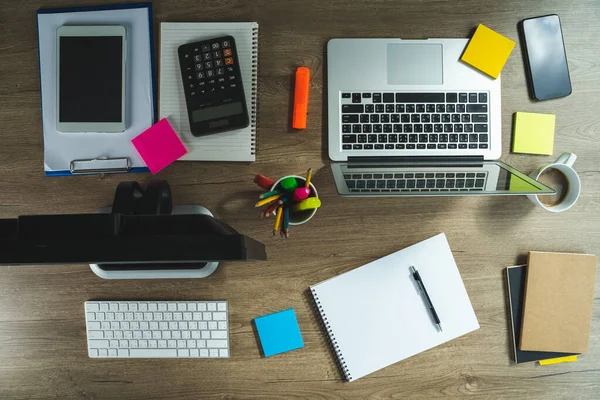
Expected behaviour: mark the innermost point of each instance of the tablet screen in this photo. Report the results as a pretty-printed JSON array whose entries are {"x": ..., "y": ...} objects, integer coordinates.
[{"x": 91, "y": 79}]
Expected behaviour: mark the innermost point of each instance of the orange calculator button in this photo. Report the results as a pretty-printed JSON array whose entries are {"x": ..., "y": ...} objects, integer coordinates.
[
  {"x": 227, "y": 52},
  {"x": 228, "y": 60}
]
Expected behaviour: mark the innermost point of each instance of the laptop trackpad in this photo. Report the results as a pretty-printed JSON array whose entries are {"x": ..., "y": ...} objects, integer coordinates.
[{"x": 414, "y": 64}]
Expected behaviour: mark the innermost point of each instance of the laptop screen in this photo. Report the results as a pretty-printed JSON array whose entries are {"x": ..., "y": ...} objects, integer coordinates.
[{"x": 418, "y": 179}]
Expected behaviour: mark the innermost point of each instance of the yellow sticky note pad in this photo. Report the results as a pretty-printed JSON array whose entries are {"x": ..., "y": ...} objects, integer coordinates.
[
  {"x": 488, "y": 51},
  {"x": 533, "y": 133},
  {"x": 558, "y": 360}
]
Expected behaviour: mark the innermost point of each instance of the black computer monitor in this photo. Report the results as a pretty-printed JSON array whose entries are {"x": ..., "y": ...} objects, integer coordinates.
[
  {"x": 139, "y": 234},
  {"x": 174, "y": 240}
]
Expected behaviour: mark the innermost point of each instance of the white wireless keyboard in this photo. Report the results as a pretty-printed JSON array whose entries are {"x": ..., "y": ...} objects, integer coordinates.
[{"x": 157, "y": 329}]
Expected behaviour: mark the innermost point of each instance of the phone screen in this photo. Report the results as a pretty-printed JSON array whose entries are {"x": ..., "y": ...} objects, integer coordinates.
[
  {"x": 547, "y": 59},
  {"x": 91, "y": 80}
]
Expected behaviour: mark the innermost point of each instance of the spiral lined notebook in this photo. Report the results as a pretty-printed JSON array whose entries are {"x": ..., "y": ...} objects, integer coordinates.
[
  {"x": 375, "y": 315},
  {"x": 237, "y": 145}
]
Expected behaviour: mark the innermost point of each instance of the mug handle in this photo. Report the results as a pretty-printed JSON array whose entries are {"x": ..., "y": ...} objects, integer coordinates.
[{"x": 567, "y": 159}]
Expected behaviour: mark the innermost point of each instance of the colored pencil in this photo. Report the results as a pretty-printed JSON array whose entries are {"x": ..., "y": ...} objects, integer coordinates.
[
  {"x": 268, "y": 200},
  {"x": 278, "y": 218},
  {"x": 272, "y": 208},
  {"x": 308, "y": 177},
  {"x": 268, "y": 194},
  {"x": 286, "y": 222}
]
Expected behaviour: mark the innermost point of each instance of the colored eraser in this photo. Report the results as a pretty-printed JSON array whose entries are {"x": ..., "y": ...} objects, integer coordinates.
[
  {"x": 264, "y": 182},
  {"x": 306, "y": 204},
  {"x": 289, "y": 184},
  {"x": 488, "y": 51},
  {"x": 301, "y": 194},
  {"x": 159, "y": 146},
  {"x": 279, "y": 332}
]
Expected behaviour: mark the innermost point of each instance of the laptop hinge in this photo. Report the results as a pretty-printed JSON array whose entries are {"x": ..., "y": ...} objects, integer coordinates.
[{"x": 418, "y": 159}]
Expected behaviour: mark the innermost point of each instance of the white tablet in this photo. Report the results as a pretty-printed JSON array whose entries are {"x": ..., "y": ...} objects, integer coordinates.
[{"x": 90, "y": 79}]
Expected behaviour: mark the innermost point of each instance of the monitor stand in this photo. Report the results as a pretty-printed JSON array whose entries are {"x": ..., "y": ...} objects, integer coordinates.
[{"x": 157, "y": 271}]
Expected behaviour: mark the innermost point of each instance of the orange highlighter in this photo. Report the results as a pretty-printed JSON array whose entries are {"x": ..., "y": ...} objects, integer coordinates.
[{"x": 301, "y": 98}]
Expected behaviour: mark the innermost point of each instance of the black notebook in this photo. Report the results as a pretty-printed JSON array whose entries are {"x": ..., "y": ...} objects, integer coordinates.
[{"x": 516, "y": 277}]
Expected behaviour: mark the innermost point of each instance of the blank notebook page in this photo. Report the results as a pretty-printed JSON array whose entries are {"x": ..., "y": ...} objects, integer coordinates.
[
  {"x": 237, "y": 145},
  {"x": 376, "y": 317}
]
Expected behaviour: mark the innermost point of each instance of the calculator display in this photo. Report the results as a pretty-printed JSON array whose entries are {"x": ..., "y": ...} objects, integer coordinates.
[{"x": 90, "y": 79}]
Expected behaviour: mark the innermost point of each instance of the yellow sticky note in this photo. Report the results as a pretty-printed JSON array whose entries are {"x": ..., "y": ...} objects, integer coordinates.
[
  {"x": 558, "y": 360},
  {"x": 488, "y": 51},
  {"x": 533, "y": 133}
]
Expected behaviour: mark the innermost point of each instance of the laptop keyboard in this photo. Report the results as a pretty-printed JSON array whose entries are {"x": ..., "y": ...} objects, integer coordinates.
[
  {"x": 414, "y": 121},
  {"x": 416, "y": 182}
]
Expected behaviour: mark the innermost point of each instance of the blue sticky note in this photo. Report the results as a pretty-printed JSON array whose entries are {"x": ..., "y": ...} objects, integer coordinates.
[{"x": 279, "y": 332}]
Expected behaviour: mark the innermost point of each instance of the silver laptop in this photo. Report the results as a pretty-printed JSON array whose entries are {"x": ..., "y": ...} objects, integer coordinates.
[{"x": 406, "y": 117}]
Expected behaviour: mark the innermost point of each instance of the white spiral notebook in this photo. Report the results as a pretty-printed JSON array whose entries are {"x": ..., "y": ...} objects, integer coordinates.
[
  {"x": 237, "y": 145},
  {"x": 375, "y": 315}
]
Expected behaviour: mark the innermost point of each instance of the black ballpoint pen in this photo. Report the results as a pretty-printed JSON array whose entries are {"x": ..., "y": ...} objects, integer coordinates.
[{"x": 428, "y": 302}]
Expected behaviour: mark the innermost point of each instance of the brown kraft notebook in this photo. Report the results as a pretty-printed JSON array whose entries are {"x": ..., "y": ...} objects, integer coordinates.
[{"x": 559, "y": 294}]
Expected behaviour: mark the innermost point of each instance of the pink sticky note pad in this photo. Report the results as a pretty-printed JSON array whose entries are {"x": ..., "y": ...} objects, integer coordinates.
[{"x": 159, "y": 146}]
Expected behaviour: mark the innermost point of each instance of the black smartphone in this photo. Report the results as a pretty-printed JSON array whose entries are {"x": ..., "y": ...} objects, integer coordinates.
[{"x": 545, "y": 57}]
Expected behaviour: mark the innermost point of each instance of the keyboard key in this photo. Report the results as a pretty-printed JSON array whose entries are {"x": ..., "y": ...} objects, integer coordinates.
[
  {"x": 479, "y": 182},
  {"x": 405, "y": 118},
  {"x": 450, "y": 108},
  {"x": 436, "y": 118},
  {"x": 451, "y": 98},
  {"x": 472, "y": 97},
  {"x": 407, "y": 128},
  {"x": 440, "y": 108},
  {"x": 356, "y": 98},
  {"x": 438, "y": 128},
  {"x": 362, "y": 138},
  {"x": 483, "y": 98},
  {"x": 443, "y": 138},
  {"x": 399, "y": 108},
  {"x": 384, "y": 118},
  {"x": 483, "y": 145},
  {"x": 479, "y": 118},
  {"x": 377, "y": 128},
  {"x": 387, "y": 128},
  {"x": 388, "y": 97},
  {"x": 410, "y": 108},
  {"x": 364, "y": 118},
  {"x": 431, "y": 146},
  {"x": 481, "y": 128},
  {"x": 368, "y": 147},
  {"x": 472, "y": 145},
  {"x": 446, "y": 118},
  {"x": 427, "y": 128},
  {"x": 389, "y": 108},
  {"x": 395, "y": 118},
  {"x": 369, "y": 108},
  {"x": 415, "y": 118},
  {"x": 419, "y": 97},
  {"x": 418, "y": 128},
  {"x": 376, "y": 97},
  {"x": 374, "y": 118},
  {"x": 379, "y": 146},
  {"x": 390, "y": 184},
  {"x": 483, "y": 137},
  {"x": 460, "y": 108},
  {"x": 455, "y": 117},
  {"x": 420, "y": 108},
  {"x": 458, "y": 128},
  {"x": 367, "y": 129},
  {"x": 425, "y": 118},
  {"x": 356, "y": 146},
  {"x": 356, "y": 128},
  {"x": 421, "y": 146},
  {"x": 462, "y": 145},
  {"x": 346, "y": 95},
  {"x": 348, "y": 138},
  {"x": 442, "y": 146},
  {"x": 477, "y": 108},
  {"x": 448, "y": 128},
  {"x": 468, "y": 127},
  {"x": 352, "y": 108},
  {"x": 403, "y": 138},
  {"x": 466, "y": 118},
  {"x": 349, "y": 119},
  {"x": 423, "y": 138},
  {"x": 393, "y": 138},
  {"x": 366, "y": 95}
]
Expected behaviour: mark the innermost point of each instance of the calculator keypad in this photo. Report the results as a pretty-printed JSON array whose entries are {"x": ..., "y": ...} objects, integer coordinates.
[{"x": 212, "y": 82}]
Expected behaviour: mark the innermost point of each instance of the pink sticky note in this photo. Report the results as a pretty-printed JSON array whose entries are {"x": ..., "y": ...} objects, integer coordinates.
[{"x": 159, "y": 146}]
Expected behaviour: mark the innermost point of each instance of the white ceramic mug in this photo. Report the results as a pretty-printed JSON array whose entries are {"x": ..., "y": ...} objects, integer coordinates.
[{"x": 564, "y": 164}]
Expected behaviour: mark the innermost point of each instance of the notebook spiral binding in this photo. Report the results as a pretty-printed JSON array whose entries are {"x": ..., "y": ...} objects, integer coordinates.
[
  {"x": 254, "y": 101},
  {"x": 333, "y": 343}
]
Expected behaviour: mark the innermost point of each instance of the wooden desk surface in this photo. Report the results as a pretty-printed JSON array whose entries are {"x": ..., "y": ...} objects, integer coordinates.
[{"x": 42, "y": 331}]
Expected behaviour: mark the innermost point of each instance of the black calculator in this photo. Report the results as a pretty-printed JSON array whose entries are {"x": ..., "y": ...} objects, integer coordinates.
[{"x": 212, "y": 82}]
